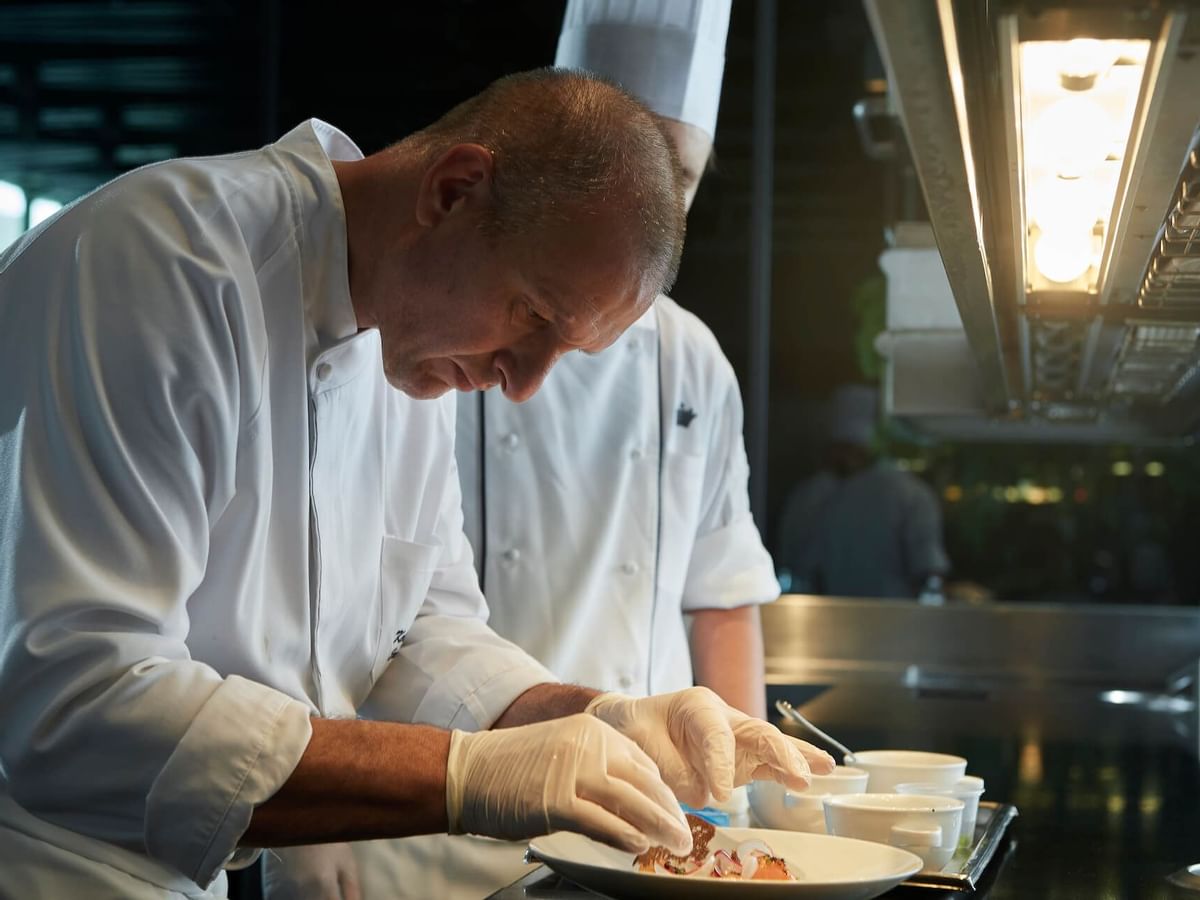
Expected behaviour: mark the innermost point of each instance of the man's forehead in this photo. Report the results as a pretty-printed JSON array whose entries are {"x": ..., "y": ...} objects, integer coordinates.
[
  {"x": 594, "y": 321},
  {"x": 615, "y": 325}
]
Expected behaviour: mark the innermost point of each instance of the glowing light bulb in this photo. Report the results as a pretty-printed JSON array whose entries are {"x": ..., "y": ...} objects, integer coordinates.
[
  {"x": 1104, "y": 186},
  {"x": 1039, "y": 66},
  {"x": 1072, "y": 137},
  {"x": 1065, "y": 204},
  {"x": 1063, "y": 257},
  {"x": 1083, "y": 60}
]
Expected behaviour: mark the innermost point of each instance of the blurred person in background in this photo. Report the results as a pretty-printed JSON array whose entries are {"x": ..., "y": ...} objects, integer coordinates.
[
  {"x": 861, "y": 527},
  {"x": 612, "y": 507}
]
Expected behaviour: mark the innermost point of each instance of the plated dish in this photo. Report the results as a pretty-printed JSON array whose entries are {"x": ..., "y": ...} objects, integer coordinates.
[
  {"x": 825, "y": 867},
  {"x": 753, "y": 860}
]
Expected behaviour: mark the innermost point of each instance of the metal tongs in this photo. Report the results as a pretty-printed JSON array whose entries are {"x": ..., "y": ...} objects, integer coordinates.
[{"x": 789, "y": 712}]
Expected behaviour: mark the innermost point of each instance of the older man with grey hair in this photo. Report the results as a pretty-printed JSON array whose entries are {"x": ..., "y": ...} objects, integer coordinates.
[
  {"x": 609, "y": 514},
  {"x": 232, "y": 518}
]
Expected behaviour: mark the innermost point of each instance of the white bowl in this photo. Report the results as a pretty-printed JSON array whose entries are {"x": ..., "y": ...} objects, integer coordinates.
[
  {"x": 889, "y": 768},
  {"x": 968, "y": 789},
  {"x": 923, "y": 824},
  {"x": 774, "y": 806}
]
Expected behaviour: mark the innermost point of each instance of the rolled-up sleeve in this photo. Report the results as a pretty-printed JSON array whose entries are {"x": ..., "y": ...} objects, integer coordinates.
[
  {"x": 452, "y": 670},
  {"x": 120, "y": 415},
  {"x": 728, "y": 566},
  {"x": 201, "y": 802}
]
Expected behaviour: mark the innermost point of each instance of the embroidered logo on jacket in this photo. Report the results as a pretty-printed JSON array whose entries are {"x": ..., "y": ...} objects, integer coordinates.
[
  {"x": 684, "y": 415},
  {"x": 397, "y": 640}
]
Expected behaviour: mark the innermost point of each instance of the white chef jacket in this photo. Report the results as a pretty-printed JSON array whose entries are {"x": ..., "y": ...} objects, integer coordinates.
[
  {"x": 216, "y": 518},
  {"x": 601, "y": 510},
  {"x": 613, "y": 501}
]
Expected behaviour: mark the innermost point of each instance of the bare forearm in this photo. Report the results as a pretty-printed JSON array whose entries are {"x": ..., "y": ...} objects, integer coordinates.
[
  {"x": 358, "y": 780},
  {"x": 727, "y": 656},
  {"x": 545, "y": 701}
]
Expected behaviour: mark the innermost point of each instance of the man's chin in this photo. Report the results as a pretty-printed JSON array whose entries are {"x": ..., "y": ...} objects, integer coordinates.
[{"x": 421, "y": 388}]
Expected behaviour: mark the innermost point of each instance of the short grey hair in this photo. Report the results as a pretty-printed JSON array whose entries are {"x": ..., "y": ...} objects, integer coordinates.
[{"x": 565, "y": 144}]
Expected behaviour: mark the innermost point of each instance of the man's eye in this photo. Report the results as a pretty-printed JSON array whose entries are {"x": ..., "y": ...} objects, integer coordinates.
[{"x": 533, "y": 315}]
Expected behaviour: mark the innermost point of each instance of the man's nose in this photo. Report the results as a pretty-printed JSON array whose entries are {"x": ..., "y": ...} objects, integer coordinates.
[{"x": 525, "y": 369}]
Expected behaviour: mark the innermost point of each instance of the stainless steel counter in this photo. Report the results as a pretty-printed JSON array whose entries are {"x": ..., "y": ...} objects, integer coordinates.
[{"x": 830, "y": 640}]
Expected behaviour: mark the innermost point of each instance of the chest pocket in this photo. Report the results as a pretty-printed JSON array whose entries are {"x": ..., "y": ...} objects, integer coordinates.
[
  {"x": 406, "y": 570},
  {"x": 682, "y": 496}
]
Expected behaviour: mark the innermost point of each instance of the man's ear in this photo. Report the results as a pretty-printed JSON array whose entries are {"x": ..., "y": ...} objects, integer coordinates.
[{"x": 460, "y": 177}]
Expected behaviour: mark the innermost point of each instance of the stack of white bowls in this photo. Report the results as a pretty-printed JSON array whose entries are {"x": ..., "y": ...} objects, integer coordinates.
[{"x": 922, "y": 802}]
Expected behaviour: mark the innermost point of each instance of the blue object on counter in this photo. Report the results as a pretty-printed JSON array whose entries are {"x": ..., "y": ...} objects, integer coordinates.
[{"x": 708, "y": 813}]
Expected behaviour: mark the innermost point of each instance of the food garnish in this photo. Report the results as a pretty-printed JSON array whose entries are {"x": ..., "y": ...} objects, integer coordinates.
[{"x": 753, "y": 860}]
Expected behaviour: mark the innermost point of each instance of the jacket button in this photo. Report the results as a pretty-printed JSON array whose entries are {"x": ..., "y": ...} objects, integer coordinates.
[
  {"x": 626, "y": 681},
  {"x": 636, "y": 453},
  {"x": 511, "y": 441},
  {"x": 630, "y": 568},
  {"x": 324, "y": 370},
  {"x": 511, "y": 555}
]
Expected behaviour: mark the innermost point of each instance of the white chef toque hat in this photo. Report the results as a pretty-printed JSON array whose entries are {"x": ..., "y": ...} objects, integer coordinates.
[{"x": 670, "y": 54}]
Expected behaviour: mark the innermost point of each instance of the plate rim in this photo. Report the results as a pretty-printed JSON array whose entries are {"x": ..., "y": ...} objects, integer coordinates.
[{"x": 914, "y": 860}]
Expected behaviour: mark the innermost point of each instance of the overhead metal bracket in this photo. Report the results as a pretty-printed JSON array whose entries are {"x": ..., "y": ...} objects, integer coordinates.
[{"x": 925, "y": 81}]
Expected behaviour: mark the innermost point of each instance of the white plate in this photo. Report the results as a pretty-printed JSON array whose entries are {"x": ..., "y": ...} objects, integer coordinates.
[{"x": 826, "y": 867}]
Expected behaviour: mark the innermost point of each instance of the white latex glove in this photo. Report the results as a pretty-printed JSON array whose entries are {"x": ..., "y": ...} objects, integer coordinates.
[
  {"x": 569, "y": 774},
  {"x": 704, "y": 746},
  {"x": 319, "y": 872}
]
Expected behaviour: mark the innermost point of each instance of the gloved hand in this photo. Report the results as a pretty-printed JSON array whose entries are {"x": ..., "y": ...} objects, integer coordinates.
[
  {"x": 704, "y": 746},
  {"x": 569, "y": 774},
  {"x": 318, "y": 872}
]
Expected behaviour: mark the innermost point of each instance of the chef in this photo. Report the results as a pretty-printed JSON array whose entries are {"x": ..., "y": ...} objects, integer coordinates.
[
  {"x": 611, "y": 507},
  {"x": 231, "y": 518}
]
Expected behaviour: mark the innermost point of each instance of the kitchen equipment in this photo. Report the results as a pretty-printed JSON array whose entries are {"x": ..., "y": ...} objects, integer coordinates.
[
  {"x": 790, "y": 712},
  {"x": 968, "y": 789},
  {"x": 775, "y": 806},
  {"x": 925, "y": 824},
  {"x": 889, "y": 768}
]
